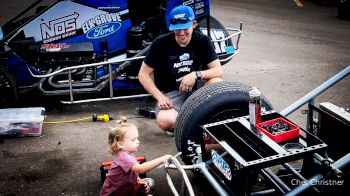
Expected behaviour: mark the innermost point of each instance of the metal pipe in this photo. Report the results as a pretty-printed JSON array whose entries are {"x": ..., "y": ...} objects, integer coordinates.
[
  {"x": 98, "y": 83},
  {"x": 199, "y": 166},
  {"x": 314, "y": 93},
  {"x": 110, "y": 80},
  {"x": 106, "y": 99},
  {"x": 306, "y": 185},
  {"x": 287, "y": 166},
  {"x": 264, "y": 192},
  {"x": 185, "y": 167},
  {"x": 211, "y": 179},
  {"x": 184, "y": 176},
  {"x": 276, "y": 180},
  {"x": 67, "y": 91},
  {"x": 82, "y": 66},
  {"x": 208, "y": 23},
  {"x": 326, "y": 162},
  {"x": 230, "y": 36},
  {"x": 171, "y": 184},
  {"x": 291, "y": 169},
  {"x": 230, "y": 57},
  {"x": 239, "y": 36},
  {"x": 311, "y": 114},
  {"x": 75, "y": 84},
  {"x": 310, "y": 120},
  {"x": 70, "y": 85}
]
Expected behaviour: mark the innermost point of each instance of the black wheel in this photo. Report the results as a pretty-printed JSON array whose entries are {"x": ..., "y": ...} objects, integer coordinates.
[
  {"x": 8, "y": 89},
  {"x": 211, "y": 103},
  {"x": 216, "y": 25}
]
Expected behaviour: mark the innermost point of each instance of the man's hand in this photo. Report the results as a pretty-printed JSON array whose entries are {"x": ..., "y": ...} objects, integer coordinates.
[
  {"x": 164, "y": 103},
  {"x": 187, "y": 82}
]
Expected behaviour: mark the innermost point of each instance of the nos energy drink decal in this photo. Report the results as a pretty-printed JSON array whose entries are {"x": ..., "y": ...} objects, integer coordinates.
[
  {"x": 102, "y": 25},
  {"x": 71, "y": 22},
  {"x": 221, "y": 164},
  {"x": 63, "y": 22}
]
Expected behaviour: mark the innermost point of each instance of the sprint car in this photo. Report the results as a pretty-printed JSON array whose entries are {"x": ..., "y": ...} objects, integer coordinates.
[{"x": 81, "y": 47}]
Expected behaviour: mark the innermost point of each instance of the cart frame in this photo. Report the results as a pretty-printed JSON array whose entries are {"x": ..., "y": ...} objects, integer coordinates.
[{"x": 282, "y": 156}]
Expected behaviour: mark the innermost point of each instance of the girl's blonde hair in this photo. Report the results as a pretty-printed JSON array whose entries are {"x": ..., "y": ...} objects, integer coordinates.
[{"x": 117, "y": 134}]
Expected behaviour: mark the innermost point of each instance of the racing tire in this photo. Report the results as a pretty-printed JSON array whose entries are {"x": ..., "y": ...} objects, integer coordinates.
[
  {"x": 211, "y": 103},
  {"x": 8, "y": 89},
  {"x": 215, "y": 24}
]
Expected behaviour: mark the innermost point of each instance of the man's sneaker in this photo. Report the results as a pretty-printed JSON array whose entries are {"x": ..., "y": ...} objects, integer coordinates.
[{"x": 170, "y": 133}]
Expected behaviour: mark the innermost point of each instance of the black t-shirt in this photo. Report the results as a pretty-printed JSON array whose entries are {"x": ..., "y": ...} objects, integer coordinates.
[{"x": 171, "y": 61}]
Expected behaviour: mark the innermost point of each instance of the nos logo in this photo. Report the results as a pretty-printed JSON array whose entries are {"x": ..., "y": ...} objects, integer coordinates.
[{"x": 103, "y": 30}]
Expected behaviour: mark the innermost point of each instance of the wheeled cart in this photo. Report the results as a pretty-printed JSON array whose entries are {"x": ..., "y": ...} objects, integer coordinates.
[{"x": 236, "y": 158}]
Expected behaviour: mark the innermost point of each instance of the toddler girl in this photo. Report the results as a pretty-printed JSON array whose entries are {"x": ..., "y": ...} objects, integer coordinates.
[{"x": 122, "y": 178}]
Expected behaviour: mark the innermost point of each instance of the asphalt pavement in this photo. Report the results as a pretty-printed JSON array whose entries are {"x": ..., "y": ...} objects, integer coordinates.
[{"x": 285, "y": 50}]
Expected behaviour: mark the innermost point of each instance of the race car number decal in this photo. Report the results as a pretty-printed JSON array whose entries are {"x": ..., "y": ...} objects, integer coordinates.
[{"x": 221, "y": 164}]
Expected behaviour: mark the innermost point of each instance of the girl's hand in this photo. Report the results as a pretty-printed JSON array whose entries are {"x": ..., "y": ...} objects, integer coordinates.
[
  {"x": 142, "y": 187},
  {"x": 165, "y": 158},
  {"x": 147, "y": 188}
]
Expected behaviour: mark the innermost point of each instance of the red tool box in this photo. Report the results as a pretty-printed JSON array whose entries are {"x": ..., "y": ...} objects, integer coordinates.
[{"x": 291, "y": 133}]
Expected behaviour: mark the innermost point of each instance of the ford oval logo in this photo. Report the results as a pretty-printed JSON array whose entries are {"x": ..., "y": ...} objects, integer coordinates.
[{"x": 103, "y": 30}]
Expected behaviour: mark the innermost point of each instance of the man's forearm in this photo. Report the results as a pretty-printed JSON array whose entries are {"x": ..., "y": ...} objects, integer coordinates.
[
  {"x": 215, "y": 72},
  {"x": 149, "y": 85}
]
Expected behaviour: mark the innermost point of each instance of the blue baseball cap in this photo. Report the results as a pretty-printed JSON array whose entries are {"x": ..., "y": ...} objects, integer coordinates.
[{"x": 181, "y": 17}]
